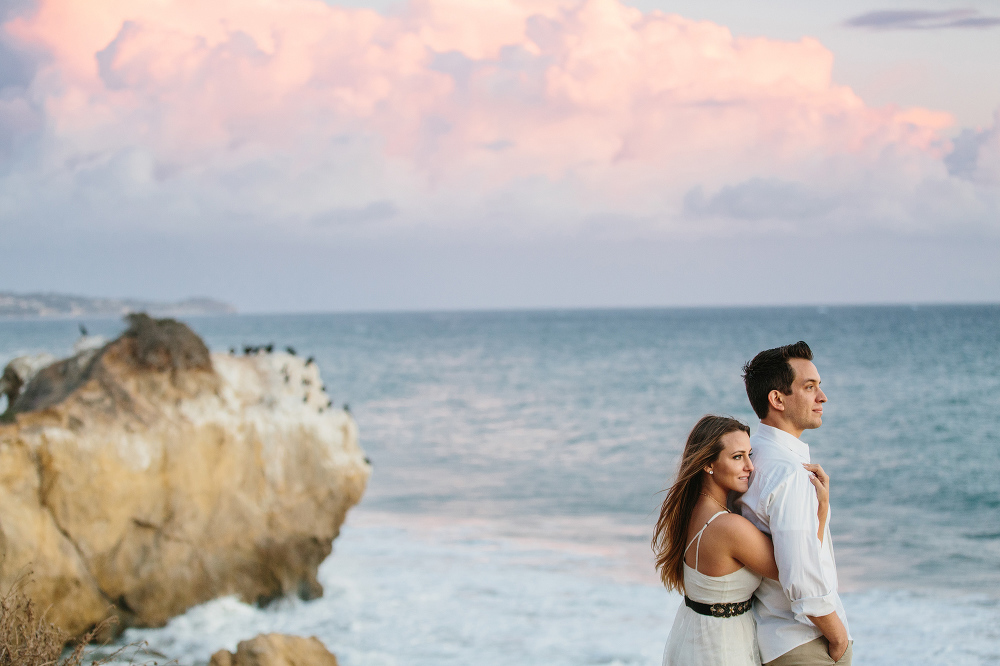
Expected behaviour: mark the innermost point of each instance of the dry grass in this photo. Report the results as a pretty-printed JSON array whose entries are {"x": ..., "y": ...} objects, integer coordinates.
[{"x": 28, "y": 639}]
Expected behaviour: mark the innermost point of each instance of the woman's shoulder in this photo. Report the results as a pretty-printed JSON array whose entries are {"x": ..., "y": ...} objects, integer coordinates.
[{"x": 734, "y": 524}]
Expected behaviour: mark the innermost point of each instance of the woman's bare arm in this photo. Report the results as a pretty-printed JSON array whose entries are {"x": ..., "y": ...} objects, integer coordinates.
[
  {"x": 751, "y": 547},
  {"x": 821, "y": 480}
]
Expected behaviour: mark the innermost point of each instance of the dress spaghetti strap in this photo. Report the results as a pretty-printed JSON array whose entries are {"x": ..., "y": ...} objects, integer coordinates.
[{"x": 697, "y": 537}]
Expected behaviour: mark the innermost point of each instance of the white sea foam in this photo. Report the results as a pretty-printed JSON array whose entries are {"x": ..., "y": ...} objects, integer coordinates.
[{"x": 426, "y": 594}]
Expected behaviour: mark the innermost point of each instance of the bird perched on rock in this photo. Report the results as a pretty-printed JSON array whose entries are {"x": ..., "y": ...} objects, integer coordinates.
[
  {"x": 310, "y": 361},
  {"x": 290, "y": 350},
  {"x": 83, "y": 330},
  {"x": 347, "y": 408}
]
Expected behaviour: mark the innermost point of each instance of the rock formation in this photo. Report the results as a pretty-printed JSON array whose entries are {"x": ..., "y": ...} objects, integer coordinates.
[
  {"x": 19, "y": 372},
  {"x": 149, "y": 475},
  {"x": 276, "y": 650}
]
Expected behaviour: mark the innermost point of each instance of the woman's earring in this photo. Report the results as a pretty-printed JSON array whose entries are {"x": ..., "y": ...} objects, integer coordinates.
[{"x": 711, "y": 472}]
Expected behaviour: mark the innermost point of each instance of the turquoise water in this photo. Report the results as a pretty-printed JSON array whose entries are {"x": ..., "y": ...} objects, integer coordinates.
[{"x": 557, "y": 429}]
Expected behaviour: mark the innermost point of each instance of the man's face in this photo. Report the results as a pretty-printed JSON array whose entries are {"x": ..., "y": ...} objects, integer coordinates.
[{"x": 804, "y": 407}]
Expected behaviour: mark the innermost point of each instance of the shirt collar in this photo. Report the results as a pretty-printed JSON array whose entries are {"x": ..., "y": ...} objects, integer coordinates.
[{"x": 789, "y": 441}]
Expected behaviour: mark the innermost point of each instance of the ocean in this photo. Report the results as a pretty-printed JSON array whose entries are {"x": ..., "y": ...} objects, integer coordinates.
[{"x": 519, "y": 455}]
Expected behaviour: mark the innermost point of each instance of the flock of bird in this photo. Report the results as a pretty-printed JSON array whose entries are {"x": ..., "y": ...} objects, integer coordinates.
[
  {"x": 268, "y": 349},
  {"x": 249, "y": 350}
]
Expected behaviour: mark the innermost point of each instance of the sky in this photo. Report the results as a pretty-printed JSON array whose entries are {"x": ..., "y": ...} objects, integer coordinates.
[{"x": 305, "y": 156}]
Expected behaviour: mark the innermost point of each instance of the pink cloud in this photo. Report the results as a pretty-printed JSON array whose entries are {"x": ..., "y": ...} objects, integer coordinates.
[{"x": 636, "y": 108}]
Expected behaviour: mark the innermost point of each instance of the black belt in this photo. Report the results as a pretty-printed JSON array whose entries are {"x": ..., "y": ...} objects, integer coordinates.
[{"x": 719, "y": 610}]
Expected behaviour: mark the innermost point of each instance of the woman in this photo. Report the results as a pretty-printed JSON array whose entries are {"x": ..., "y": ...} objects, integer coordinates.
[{"x": 715, "y": 557}]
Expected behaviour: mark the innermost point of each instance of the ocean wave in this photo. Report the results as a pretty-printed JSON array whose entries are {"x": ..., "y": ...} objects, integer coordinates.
[{"x": 438, "y": 593}]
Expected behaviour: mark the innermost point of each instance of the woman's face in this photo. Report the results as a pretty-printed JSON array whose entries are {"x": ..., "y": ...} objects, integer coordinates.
[{"x": 732, "y": 468}]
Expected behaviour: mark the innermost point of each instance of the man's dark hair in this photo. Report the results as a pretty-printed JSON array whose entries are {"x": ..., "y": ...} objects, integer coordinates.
[{"x": 769, "y": 371}]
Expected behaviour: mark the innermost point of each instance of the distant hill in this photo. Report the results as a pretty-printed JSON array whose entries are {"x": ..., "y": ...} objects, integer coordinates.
[{"x": 63, "y": 305}]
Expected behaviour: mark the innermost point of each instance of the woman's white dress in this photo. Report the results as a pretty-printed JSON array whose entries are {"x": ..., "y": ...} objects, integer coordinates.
[{"x": 701, "y": 640}]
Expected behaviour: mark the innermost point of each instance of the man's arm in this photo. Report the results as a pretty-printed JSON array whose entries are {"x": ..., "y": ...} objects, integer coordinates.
[
  {"x": 792, "y": 510},
  {"x": 835, "y": 632}
]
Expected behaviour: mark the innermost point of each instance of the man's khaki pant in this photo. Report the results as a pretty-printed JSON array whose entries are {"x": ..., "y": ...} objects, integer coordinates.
[{"x": 812, "y": 653}]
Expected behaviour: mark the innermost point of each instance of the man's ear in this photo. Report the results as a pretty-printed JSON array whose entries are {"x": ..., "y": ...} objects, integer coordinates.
[{"x": 776, "y": 400}]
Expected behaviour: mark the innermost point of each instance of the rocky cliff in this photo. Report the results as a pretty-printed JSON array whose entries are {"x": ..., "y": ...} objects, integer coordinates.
[{"x": 149, "y": 475}]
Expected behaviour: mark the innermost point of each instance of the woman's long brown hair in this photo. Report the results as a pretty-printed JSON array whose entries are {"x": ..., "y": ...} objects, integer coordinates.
[{"x": 704, "y": 445}]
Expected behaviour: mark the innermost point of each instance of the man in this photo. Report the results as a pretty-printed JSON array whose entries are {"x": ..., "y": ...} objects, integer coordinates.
[{"x": 800, "y": 618}]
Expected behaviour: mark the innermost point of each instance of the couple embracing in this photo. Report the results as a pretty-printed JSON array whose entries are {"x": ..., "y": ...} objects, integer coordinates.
[{"x": 760, "y": 584}]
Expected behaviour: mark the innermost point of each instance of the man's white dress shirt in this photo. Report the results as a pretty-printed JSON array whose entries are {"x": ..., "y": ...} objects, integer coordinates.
[{"x": 781, "y": 501}]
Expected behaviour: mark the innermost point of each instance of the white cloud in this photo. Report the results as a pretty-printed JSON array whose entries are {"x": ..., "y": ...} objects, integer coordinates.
[{"x": 514, "y": 124}]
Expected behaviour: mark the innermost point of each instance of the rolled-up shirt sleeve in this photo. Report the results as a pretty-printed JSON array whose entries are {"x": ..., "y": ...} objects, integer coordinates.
[{"x": 797, "y": 550}]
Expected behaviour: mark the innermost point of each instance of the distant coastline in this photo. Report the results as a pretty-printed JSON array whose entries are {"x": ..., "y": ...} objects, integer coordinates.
[{"x": 59, "y": 306}]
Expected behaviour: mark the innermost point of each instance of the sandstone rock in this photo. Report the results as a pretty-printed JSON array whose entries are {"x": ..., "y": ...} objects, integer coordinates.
[
  {"x": 276, "y": 650},
  {"x": 88, "y": 342},
  {"x": 19, "y": 372},
  {"x": 149, "y": 476}
]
